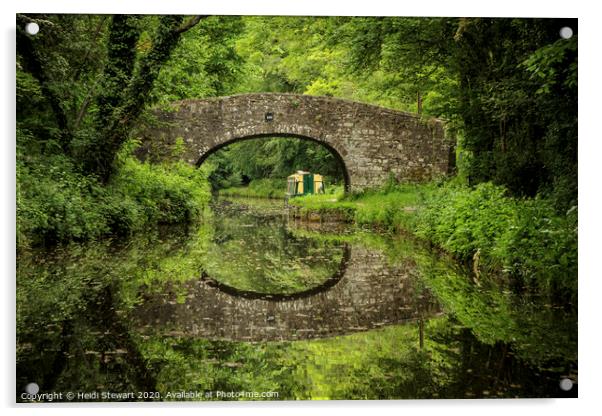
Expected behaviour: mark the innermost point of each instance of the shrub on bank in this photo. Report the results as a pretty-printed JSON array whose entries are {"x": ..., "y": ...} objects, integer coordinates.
[
  {"x": 391, "y": 207},
  {"x": 524, "y": 238},
  {"x": 162, "y": 193},
  {"x": 463, "y": 220},
  {"x": 56, "y": 203}
]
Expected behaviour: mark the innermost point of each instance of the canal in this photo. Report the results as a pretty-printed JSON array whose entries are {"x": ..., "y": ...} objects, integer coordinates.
[{"x": 254, "y": 304}]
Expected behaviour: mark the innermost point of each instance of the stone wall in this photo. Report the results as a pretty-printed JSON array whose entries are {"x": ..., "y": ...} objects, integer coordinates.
[{"x": 372, "y": 142}]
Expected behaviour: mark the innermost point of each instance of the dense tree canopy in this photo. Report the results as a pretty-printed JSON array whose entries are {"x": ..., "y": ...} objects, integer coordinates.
[
  {"x": 94, "y": 102},
  {"x": 518, "y": 104}
]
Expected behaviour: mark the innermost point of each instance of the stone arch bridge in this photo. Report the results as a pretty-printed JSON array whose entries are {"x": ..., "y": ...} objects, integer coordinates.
[{"x": 372, "y": 143}]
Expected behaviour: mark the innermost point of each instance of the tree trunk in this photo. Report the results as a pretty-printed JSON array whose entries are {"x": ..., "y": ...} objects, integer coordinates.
[
  {"x": 124, "y": 92},
  {"x": 32, "y": 63},
  {"x": 421, "y": 330}
]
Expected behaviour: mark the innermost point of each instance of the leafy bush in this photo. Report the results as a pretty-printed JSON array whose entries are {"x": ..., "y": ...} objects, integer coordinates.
[
  {"x": 463, "y": 221},
  {"x": 524, "y": 238},
  {"x": 164, "y": 193},
  {"x": 56, "y": 203},
  {"x": 541, "y": 246}
]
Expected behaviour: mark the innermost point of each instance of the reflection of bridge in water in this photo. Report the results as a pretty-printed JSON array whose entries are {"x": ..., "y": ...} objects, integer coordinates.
[{"x": 368, "y": 294}]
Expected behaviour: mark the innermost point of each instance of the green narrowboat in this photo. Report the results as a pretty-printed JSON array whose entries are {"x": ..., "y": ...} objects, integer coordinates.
[{"x": 304, "y": 183}]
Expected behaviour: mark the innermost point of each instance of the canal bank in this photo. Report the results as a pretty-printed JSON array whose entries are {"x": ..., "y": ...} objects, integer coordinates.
[{"x": 526, "y": 241}]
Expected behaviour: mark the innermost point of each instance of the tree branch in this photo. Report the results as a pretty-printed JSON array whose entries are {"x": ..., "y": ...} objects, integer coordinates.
[
  {"x": 190, "y": 24},
  {"x": 116, "y": 125},
  {"x": 84, "y": 61},
  {"x": 84, "y": 106}
]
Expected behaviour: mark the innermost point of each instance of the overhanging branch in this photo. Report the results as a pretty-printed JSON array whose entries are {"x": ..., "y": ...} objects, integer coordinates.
[{"x": 190, "y": 24}]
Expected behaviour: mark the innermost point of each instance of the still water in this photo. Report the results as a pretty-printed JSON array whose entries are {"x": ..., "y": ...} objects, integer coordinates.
[{"x": 254, "y": 305}]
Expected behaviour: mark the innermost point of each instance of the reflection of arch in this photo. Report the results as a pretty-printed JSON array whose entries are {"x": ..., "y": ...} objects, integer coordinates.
[
  {"x": 326, "y": 285},
  {"x": 371, "y": 294},
  {"x": 331, "y": 149}
]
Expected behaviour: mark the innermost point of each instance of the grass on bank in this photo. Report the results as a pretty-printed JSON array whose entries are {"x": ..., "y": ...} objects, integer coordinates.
[
  {"x": 525, "y": 239},
  {"x": 259, "y": 188},
  {"x": 391, "y": 207},
  {"x": 274, "y": 188}
]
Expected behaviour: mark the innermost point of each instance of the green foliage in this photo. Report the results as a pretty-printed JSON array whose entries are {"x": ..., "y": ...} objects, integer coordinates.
[
  {"x": 56, "y": 203},
  {"x": 518, "y": 102},
  {"x": 185, "y": 361},
  {"x": 526, "y": 238},
  {"x": 463, "y": 221},
  {"x": 63, "y": 60},
  {"x": 401, "y": 61},
  {"x": 251, "y": 161},
  {"x": 531, "y": 324},
  {"x": 164, "y": 194},
  {"x": 548, "y": 64},
  {"x": 540, "y": 247},
  {"x": 259, "y": 188},
  {"x": 204, "y": 64},
  {"x": 287, "y": 54}
]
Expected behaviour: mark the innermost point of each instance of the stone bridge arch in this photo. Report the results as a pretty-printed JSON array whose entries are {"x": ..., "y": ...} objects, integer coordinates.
[{"x": 372, "y": 143}]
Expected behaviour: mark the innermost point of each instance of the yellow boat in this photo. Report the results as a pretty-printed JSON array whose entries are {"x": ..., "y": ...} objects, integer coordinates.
[{"x": 304, "y": 183}]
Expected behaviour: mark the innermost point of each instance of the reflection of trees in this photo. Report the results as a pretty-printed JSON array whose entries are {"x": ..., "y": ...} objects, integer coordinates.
[
  {"x": 484, "y": 370},
  {"x": 452, "y": 364},
  {"x": 102, "y": 353},
  {"x": 88, "y": 346},
  {"x": 258, "y": 254},
  {"x": 70, "y": 335},
  {"x": 494, "y": 342},
  {"x": 535, "y": 329}
]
